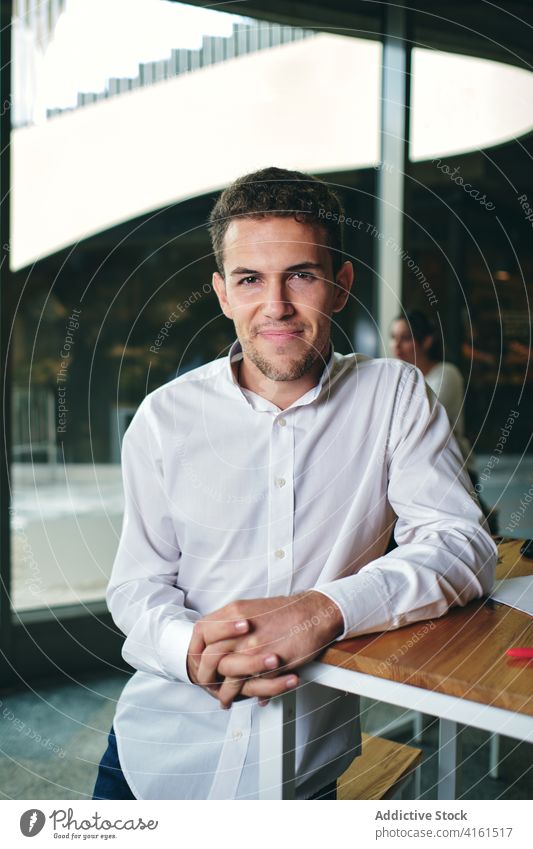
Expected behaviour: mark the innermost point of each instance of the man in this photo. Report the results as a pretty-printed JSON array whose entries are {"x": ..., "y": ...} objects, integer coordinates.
[{"x": 260, "y": 492}]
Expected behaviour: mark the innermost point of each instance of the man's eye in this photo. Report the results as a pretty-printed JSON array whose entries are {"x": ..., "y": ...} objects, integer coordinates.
[
  {"x": 303, "y": 275},
  {"x": 249, "y": 281}
]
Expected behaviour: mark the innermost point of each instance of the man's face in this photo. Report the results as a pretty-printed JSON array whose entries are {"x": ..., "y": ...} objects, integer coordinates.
[{"x": 279, "y": 292}]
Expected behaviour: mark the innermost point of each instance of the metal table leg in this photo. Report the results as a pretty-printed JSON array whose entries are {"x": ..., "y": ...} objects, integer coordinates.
[
  {"x": 494, "y": 757},
  {"x": 450, "y": 740},
  {"x": 276, "y": 748}
]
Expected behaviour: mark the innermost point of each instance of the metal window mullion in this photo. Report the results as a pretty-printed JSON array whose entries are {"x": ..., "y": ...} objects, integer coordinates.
[
  {"x": 395, "y": 80},
  {"x": 5, "y": 285}
]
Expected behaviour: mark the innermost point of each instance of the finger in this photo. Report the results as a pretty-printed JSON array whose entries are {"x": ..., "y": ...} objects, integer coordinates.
[
  {"x": 205, "y": 631},
  {"x": 197, "y": 644},
  {"x": 236, "y": 665},
  {"x": 214, "y": 630},
  {"x": 209, "y": 660},
  {"x": 229, "y": 690},
  {"x": 248, "y": 666},
  {"x": 212, "y": 689},
  {"x": 266, "y": 688},
  {"x": 232, "y": 687}
]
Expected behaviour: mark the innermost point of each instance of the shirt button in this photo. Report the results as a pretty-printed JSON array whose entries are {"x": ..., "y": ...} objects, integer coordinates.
[
  {"x": 280, "y": 482},
  {"x": 280, "y": 554},
  {"x": 236, "y": 735},
  {"x": 282, "y": 422}
]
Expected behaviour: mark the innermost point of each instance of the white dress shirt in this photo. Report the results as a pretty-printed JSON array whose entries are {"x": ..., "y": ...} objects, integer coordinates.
[{"x": 228, "y": 497}]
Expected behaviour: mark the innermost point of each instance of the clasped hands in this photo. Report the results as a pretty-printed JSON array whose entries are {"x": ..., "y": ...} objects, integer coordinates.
[{"x": 250, "y": 647}]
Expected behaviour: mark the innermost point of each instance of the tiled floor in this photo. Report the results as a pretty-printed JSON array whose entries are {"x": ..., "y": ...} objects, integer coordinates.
[
  {"x": 515, "y": 779},
  {"x": 73, "y": 720},
  {"x": 52, "y": 739}
]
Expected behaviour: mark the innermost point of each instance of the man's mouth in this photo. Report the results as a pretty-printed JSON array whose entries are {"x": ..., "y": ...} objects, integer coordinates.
[{"x": 280, "y": 334}]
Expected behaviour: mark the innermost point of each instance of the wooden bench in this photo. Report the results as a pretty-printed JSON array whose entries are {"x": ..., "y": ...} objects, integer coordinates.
[{"x": 383, "y": 771}]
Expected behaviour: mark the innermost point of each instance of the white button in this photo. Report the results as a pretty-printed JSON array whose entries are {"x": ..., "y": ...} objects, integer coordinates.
[
  {"x": 282, "y": 422},
  {"x": 280, "y": 554},
  {"x": 236, "y": 735},
  {"x": 280, "y": 482}
]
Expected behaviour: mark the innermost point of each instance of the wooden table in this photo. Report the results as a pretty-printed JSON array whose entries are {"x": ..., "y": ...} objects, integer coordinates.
[{"x": 454, "y": 668}]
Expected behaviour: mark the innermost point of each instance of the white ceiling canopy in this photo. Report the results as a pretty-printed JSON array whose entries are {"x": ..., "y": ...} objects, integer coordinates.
[{"x": 311, "y": 105}]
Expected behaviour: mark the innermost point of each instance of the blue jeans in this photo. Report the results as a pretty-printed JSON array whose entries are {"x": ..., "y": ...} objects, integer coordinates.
[
  {"x": 110, "y": 781},
  {"x": 111, "y": 784}
]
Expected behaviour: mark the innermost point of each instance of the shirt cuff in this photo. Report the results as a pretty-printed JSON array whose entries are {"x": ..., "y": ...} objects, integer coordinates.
[
  {"x": 362, "y": 600},
  {"x": 173, "y": 648}
]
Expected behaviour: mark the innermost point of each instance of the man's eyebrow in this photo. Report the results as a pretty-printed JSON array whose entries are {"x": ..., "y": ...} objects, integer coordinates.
[
  {"x": 298, "y": 267},
  {"x": 301, "y": 265},
  {"x": 241, "y": 270}
]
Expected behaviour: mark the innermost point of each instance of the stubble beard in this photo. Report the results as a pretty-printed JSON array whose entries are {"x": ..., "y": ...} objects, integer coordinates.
[{"x": 290, "y": 371}]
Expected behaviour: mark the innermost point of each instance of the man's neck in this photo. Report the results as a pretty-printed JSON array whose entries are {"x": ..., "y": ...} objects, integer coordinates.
[{"x": 282, "y": 393}]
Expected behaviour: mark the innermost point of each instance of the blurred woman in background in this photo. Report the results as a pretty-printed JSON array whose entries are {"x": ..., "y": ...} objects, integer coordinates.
[{"x": 413, "y": 338}]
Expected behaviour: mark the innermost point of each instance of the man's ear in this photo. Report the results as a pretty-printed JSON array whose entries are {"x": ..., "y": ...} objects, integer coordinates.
[
  {"x": 343, "y": 280},
  {"x": 219, "y": 285}
]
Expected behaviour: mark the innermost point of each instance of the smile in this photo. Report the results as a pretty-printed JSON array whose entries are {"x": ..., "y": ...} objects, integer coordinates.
[{"x": 281, "y": 335}]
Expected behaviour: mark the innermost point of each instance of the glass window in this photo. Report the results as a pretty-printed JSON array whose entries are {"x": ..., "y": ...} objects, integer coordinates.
[{"x": 116, "y": 163}]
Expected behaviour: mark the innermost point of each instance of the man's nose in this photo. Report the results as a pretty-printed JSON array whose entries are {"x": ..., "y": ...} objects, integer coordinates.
[{"x": 277, "y": 303}]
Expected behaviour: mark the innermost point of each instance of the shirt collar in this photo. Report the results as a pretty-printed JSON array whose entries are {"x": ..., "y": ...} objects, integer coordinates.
[{"x": 257, "y": 401}]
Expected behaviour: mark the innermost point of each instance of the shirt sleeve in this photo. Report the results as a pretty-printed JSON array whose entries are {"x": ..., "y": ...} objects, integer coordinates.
[
  {"x": 143, "y": 596},
  {"x": 444, "y": 557}
]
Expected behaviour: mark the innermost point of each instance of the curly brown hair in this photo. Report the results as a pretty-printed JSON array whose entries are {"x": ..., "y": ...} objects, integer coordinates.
[{"x": 276, "y": 191}]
